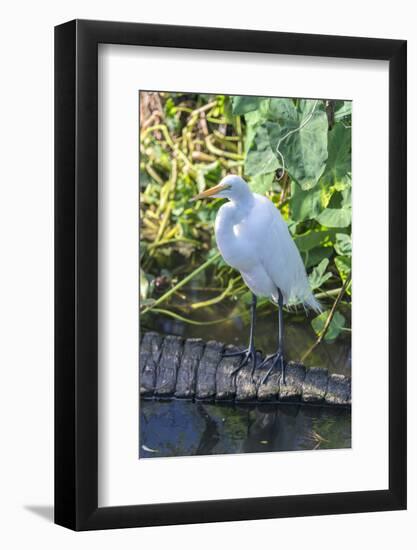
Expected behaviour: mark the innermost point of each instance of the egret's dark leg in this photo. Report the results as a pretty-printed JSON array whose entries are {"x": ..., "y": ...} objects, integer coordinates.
[
  {"x": 249, "y": 353},
  {"x": 277, "y": 359}
]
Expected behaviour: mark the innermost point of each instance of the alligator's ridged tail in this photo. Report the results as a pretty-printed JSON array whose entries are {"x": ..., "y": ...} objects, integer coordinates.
[{"x": 171, "y": 366}]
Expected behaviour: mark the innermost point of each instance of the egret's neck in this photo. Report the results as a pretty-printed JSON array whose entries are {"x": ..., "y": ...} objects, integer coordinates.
[
  {"x": 231, "y": 220},
  {"x": 242, "y": 203},
  {"x": 233, "y": 213}
]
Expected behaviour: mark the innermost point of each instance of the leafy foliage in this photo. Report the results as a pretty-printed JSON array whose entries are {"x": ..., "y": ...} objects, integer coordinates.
[
  {"x": 319, "y": 275},
  {"x": 296, "y": 151}
]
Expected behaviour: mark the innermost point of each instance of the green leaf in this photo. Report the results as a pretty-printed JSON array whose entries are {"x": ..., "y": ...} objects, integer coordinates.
[
  {"x": 301, "y": 140},
  {"x": 262, "y": 183},
  {"x": 344, "y": 267},
  {"x": 343, "y": 110},
  {"x": 319, "y": 276},
  {"x": 283, "y": 110},
  {"x": 242, "y": 104},
  {"x": 343, "y": 245},
  {"x": 253, "y": 121},
  {"x": 312, "y": 239},
  {"x": 347, "y": 196},
  {"x": 170, "y": 108},
  {"x": 336, "y": 325},
  {"x": 316, "y": 255},
  {"x": 260, "y": 159},
  {"x": 335, "y": 217},
  {"x": 144, "y": 179},
  {"x": 339, "y": 164},
  {"x": 305, "y": 205}
]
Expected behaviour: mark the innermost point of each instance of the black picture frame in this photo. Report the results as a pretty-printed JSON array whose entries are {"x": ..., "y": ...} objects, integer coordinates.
[{"x": 76, "y": 272}]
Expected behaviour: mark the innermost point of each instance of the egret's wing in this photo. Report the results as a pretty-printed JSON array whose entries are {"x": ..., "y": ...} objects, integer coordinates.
[{"x": 281, "y": 259}]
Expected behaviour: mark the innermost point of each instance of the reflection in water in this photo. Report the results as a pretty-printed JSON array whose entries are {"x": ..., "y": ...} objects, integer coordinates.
[{"x": 183, "y": 428}]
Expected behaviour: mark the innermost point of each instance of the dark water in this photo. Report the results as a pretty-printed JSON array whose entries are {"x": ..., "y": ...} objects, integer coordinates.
[
  {"x": 180, "y": 428},
  {"x": 183, "y": 428}
]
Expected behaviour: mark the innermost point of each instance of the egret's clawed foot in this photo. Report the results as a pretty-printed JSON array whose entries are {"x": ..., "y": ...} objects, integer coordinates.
[
  {"x": 274, "y": 361},
  {"x": 248, "y": 355}
]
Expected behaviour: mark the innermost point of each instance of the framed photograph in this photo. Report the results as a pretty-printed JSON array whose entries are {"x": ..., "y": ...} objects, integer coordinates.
[{"x": 230, "y": 245}]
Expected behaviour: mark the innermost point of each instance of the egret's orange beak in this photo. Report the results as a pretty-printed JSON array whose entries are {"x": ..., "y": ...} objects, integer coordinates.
[{"x": 210, "y": 192}]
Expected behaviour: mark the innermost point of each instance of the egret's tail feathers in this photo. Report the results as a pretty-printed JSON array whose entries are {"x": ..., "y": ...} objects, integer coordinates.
[
  {"x": 308, "y": 301},
  {"x": 313, "y": 303}
]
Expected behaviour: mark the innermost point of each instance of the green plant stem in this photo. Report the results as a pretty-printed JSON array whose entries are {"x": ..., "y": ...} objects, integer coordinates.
[
  {"x": 153, "y": 174},
  {"x": 173, "y": 241},
  {"x": 164, "y": 223},
  {"x": 162, "y": 128},
  {"x": 328, "y": 320},
  {"x": 226, "y": 154},
  {"x": 182, "y": 282},
  {"x": 204, "y": 108},
  {"x": 327, "y": 293},
  {"x": 179, "y": 108},
  {"x": 218, "y": 298},
  {"x": 222, "y": 137},
  {"x": 216, "y": 120},
  {"x": 188, "y": 320}
]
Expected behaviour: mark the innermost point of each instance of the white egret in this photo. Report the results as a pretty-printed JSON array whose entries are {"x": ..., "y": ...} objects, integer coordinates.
[{"x": 253, "y": 238}]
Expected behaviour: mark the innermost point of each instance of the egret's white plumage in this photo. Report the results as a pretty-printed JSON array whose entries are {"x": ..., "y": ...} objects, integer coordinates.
[{"x": 253, "y": 238}]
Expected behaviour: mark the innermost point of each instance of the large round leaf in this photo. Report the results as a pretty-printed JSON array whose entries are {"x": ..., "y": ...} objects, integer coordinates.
[{"x": 299, "y": 137}]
